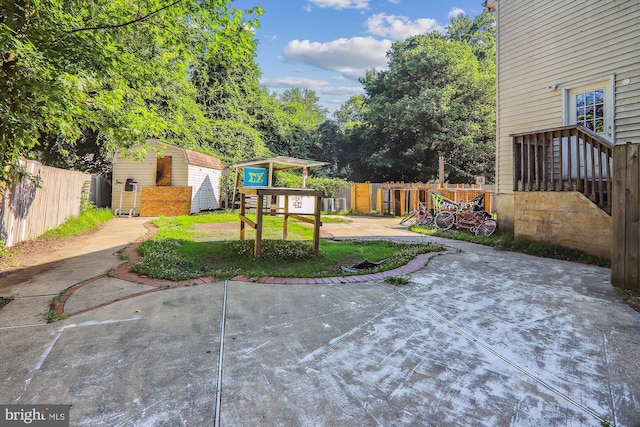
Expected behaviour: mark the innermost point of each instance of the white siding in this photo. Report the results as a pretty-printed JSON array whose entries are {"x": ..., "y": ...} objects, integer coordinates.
[
  {"x": 205, "y": 185},
  {"x": 563, "y": 43}
]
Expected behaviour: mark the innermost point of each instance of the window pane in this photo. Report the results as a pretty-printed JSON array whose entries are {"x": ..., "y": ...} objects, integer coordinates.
[
  {"x": 580, "y": 100},
  {"x": 599, "y": 111},
  {"x": 589, "y": 98},
  {"x": 588, "y": 113},
  {"x": 589, "y": 124},
  {"x": 599, "y": 126},
  {"x": 599, "y": 95}
]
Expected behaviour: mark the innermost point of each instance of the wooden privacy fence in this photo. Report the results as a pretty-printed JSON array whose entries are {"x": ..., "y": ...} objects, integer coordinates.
[
  {"x": 625, "y": 257},
  {"x": 27, "y": 211},
  {"x": 399, "y": 198}
]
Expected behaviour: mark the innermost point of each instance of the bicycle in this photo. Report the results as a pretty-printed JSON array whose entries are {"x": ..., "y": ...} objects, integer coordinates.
[
  {"x": 476, "y": 221},
  {"x": 422, "y": 217}
]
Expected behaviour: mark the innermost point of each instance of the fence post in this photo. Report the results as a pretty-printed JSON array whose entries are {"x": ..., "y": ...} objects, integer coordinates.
[{"x": 625, "y": 214}]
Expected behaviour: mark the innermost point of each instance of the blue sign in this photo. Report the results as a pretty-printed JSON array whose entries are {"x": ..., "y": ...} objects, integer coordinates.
[{"x": 255, "y": 177}]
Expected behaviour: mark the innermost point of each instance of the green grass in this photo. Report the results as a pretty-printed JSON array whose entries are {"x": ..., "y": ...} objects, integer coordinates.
[
  {"x": 86, "y": 221},
  {"x": 506, "y": 242},
  {"x": 7, "y": 253},
  {"x": 177, "y": 252}
]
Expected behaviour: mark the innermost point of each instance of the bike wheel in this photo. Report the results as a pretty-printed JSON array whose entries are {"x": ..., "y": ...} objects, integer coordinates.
[
  {"x": 445, "y": 220},
  {"x": 424, "y": 219},
  {"x": 409, "y": 218},
  {"x": 487, "y": 227}
]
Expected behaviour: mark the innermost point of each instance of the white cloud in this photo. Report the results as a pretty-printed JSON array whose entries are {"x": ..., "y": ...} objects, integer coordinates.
[
  {"x": 331, "y": 96},
  {"x": 318, "y": 86},
  {"x": 455, "y": 12},
  {"x": 399, "y": 27},
  {"x": 289, "y": 82},
  {"x": 350, "y": 57},
  {"x": 341, "y": 4}
]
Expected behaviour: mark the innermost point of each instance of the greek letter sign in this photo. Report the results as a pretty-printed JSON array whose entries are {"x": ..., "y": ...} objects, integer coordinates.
[{"x": 255, "y": 177}]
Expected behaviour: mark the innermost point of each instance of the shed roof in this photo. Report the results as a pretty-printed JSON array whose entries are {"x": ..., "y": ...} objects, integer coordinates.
[
  {"x": 204, "y": 160},
  {"x": 192, "y": 157}
]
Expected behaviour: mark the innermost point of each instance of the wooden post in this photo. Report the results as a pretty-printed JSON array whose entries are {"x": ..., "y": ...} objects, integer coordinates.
[
  {"x": 316, "y": 226},
  {"x": 441, "y": 170},
  {"x": 625, "y": 256},
  {"x": 235, "y": 188},
  {"x": 285, "y": 226},
  {"x": 242, "y": 211},
  {"x": 257, "y": 250}
]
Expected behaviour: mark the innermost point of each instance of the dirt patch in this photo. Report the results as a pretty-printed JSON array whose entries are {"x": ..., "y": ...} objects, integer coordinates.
[{"x": 29, "y": 253}]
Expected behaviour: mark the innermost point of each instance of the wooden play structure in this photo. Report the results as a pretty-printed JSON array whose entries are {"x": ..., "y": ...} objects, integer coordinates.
[{"x": 258, "y": 194}]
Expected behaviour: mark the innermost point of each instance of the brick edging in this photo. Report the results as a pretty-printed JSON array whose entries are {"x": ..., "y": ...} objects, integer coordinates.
[
  {"x": 414, "y": 265},
  {"x": 123, "y": 272}
]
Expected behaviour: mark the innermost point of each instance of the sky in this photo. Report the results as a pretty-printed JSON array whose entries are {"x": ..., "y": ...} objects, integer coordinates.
[{"x": 326, "y": 45}]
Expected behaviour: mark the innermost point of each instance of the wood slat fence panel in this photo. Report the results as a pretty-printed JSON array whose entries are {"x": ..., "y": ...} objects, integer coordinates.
[
  {"x": 399, "y": 198},
  {"x": 28, "y": 211},
  {"x": 625, "y": 257}
]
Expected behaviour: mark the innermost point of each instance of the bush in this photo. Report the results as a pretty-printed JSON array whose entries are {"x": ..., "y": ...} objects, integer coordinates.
[
  {"x": 328, "y": 185},
  {"x": 272, "y": 249}
]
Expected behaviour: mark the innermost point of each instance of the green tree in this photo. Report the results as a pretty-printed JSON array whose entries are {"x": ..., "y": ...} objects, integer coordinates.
[
  {"x": 352, "y": 112},
  {"x": 228, "y": 91},
  {"x": 288, "y": 122},
  {"x": 327, "y": 140},
  {"x": 303, "y": 114},
  {"x": 71, "y": 70},
  {"x": 437, "y": 98}
]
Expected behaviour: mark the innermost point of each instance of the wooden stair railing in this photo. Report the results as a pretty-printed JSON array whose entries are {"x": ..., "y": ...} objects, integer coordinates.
[{"x": 567, "y": 158}]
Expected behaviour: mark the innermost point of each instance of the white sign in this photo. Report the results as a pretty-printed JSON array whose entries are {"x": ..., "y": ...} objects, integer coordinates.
[{"x": 298, "y": 204}]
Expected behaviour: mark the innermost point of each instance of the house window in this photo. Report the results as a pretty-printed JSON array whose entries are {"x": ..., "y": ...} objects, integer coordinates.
[
  {"x": 591, "y": 105},
  {"x": 590, "y": 110}
]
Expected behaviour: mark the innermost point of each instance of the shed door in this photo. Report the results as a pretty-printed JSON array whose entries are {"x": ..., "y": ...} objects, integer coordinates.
[{"x": 163, "y": 171}]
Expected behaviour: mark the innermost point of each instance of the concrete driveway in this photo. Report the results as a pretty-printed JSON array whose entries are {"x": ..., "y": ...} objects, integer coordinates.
[{"x": 478, "y": 337}]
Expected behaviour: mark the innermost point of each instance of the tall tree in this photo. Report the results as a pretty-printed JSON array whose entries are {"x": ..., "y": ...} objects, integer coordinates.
[
  {"x": 437, "y": 98},
  {"x": 228, "y": 91},
  {"x": 288, "y": 121},
  {"x": 112, "y": 68},
  {"x": 327, "y": 140}
]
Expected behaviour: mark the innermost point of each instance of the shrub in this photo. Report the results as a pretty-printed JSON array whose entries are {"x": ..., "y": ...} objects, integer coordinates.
[{"x": 272, "y": 249}]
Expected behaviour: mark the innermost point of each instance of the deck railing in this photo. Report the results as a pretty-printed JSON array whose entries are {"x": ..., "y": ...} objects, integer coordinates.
[{"x": 567, "y": 158}]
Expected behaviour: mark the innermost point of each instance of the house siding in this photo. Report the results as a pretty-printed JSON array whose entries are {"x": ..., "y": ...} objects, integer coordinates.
[{"x": 564, "y": 44}]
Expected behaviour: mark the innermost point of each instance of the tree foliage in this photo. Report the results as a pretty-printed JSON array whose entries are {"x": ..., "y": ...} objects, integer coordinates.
[
  {"x": 107, "y": 73},
  {"x": 437, "y": 98}
]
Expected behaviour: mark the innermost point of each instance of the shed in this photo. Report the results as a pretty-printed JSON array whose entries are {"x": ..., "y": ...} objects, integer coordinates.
[{"x": 168, "y": 180}]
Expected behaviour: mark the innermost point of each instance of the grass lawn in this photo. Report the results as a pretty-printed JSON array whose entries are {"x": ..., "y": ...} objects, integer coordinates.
[
  {"x": 506, "y": 242},
  {"x": 201, "y": 245}
]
